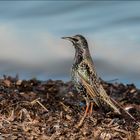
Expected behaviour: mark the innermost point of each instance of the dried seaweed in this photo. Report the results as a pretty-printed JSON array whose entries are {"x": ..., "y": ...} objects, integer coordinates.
[{"x": 51, "y": 110}]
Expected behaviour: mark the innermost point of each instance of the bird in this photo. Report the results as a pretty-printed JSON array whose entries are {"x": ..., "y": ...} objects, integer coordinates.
[{"x": 85, "y": 78}]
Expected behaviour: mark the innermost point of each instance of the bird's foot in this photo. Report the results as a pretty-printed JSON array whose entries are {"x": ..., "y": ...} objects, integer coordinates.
[{"x": 88, "y": 112}]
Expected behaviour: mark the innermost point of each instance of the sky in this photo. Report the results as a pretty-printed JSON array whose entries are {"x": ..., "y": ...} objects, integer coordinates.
[{"x": 31, "y": 44}]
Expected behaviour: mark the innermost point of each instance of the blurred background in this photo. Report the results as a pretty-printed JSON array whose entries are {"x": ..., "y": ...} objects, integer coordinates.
[{"x": 31, "y": 44}]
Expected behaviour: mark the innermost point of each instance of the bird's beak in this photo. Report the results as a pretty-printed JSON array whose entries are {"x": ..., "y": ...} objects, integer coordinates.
[{"x": 68, "y": 38}]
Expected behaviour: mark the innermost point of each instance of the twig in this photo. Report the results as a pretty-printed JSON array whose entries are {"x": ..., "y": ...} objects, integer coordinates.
[
  {"x": 36, "y": 101},
  {"x": 64, "y": 106}
]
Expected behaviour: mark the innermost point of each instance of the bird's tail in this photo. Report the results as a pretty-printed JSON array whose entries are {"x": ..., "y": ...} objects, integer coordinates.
[
  {"x": 107, "y": 99},
  {"x": 123, "y": 111}
]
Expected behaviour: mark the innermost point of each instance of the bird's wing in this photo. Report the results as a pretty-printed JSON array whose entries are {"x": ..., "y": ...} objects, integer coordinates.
[
  {"x": 90, "y": 90},
  {"x": 94, "y": 87}
]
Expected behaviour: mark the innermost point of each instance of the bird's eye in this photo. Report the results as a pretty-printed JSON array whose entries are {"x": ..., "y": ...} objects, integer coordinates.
[{"x": 76, "y": 40}]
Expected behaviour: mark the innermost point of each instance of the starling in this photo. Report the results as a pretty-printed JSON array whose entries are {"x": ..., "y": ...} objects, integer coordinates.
[{"x": 85, "y": 78}]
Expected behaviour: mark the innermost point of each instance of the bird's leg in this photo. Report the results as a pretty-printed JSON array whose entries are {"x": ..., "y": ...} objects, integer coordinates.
[
  {"x": 87, "y": 105},
  {"x": 91, "y": 108},
  {"x": 86, "y": 112},
  {"x": 87, "y": 109}
]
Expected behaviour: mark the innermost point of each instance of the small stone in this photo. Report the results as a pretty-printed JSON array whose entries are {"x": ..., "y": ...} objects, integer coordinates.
[
  {"x": 68, "y": 117},
  {"x": 18, "y": 83},
  {"x": 7, "y": 83},
  {"x": 86, "y": 132}
]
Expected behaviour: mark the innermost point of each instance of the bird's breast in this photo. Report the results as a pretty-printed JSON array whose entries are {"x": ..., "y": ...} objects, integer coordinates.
[{"x": 76, "y": 69}]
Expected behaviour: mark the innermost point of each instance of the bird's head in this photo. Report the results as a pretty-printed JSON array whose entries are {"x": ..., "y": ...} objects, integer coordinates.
[{"x": 79, "y": 42}]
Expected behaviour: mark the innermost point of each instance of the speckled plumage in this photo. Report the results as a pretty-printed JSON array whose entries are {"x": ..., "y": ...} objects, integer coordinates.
[{"x": 84, "y": 75}]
